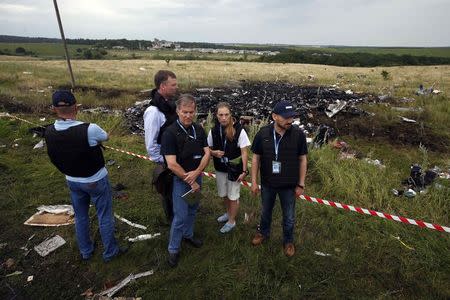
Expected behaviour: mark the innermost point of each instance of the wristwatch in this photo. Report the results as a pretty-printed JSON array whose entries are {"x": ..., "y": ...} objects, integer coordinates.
[{"x": 301, "y": 186}]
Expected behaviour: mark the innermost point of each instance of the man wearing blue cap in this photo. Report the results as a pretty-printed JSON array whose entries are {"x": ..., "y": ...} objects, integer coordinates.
[
  {"x": 74, "y": 148},
  {"x": 279, "y": 153}
]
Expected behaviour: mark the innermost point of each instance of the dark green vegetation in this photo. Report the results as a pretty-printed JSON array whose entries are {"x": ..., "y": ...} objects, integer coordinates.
[{"x": 356, "y": 59}]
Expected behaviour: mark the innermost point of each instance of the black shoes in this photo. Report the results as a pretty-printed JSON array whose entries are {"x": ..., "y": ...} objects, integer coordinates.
[
  {"x": 173, "y": 259},
  {"x": 197, "y": 243}
]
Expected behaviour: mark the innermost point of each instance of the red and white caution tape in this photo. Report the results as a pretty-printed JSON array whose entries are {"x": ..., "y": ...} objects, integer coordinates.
[
  {"x": 334, "y": 204},
  {"x": 129, "y": 153},
  {"x": 360, "y": 210}
]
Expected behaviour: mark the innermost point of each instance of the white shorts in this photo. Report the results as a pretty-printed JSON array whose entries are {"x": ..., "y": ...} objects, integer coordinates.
[{"x": 227, "y": 188}]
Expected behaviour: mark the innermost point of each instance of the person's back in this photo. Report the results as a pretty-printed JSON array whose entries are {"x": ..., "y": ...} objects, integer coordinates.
[{"x": 74, "y": 148}]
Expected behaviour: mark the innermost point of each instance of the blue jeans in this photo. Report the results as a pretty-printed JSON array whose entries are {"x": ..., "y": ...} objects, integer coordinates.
[
  {"x": 99, "y": 193},
  {"x": 183, "y": 215},
  {"x": 287, "y": 200}
]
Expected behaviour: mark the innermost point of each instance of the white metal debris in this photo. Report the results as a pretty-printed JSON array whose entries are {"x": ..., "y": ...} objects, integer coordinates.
[
  {"x": 39, "y": 145},
  {"x": 144, "y": 237},
  {"x": 57, "y": 209},
  {"x": 129, "y": 222},
  {"x": 111, "y": 291},
  {"x": 408, "y": 120},
  {"x": 321, "y": 253},
  {"x": 334, "y": 108},
  {"x": 47, "y": 246}
]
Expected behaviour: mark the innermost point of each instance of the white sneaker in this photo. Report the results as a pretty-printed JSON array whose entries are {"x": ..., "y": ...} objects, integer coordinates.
[{"x": 223, "y": 218}]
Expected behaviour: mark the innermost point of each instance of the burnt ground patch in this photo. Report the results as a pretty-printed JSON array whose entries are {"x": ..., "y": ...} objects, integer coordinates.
[
  {"x": 10, "y": 104},
  {"x": 256, "y": 99},
  {"x": 399, "y": 133}
]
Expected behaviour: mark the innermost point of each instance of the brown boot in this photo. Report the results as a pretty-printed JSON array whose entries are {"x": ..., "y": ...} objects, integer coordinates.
[
  {"x": 289, "y": 249},
  {"x": 258, "y": 239}
]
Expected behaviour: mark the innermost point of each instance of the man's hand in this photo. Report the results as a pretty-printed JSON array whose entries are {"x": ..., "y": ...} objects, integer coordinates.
[
  {"x": 255, "y": 189},
  {"x": 191, "y": 176},
  {"x": 241, "y": 177},
  {"x": 217, "y": 153},
  {"x": 195, "y": 187},
  {"x": 298, "y": 191}
]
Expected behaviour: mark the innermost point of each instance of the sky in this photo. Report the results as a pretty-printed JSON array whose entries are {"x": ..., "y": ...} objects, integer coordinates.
[{"x": 412, "y": 23}]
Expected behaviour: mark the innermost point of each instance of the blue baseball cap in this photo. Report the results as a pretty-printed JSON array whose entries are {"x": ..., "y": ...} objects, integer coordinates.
[
  {"x": 63, "y": 98},
  {"x": 284, "y": 109}
]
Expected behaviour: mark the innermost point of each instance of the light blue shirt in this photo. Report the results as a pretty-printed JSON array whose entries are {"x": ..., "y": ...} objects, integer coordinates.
[
  {"x": 96, "y": 135},
  {"x": 153, "y": 120}
]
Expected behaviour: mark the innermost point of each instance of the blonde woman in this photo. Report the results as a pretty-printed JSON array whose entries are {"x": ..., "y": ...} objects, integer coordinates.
[{"x": 228, "y": 142}]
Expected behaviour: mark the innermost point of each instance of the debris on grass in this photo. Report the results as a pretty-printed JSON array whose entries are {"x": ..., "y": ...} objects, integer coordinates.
[
  {"x": 111, "y": 291},
  {"x": 39, "y": 145},
  {"x": 3, "y": 245},
  {"x": 334, "y": 108},
  {"x": 9, "y": 263},
  {"x": 50, "y": 245},
  {"x": 88, "y": 293},
  {"x": 408, "y": 120},
  {"x": 144, "y": 237},
  {"x": 130, "y": 223},
  {"x": 52, "y": 215},
  {"x": 110, "y": 162},
  {"x": 401, "y": 242},
  {"x": 14, "y": 274},
  {"x": 30, "y": 278},
  {"x": 410, "y": 193},
  {"x": 319, "y": 253},
  {"x": 375, "y": 162}
]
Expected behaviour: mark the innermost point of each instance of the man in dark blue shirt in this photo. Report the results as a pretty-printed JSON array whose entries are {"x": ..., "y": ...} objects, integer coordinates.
[{"x": 279, "y": 153}]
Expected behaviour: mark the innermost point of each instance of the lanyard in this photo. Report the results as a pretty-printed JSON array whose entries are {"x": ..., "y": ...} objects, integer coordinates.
[
  {"x": 276, "y": 144},
  {"x": 224, "y": 142},
  {"x": 193, "y": 129}
]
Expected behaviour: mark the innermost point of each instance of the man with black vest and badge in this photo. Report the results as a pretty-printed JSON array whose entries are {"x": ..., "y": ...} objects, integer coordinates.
[
  {"x": 157, "y": 117},
  {"x": 186, "y": 152},
  {"x": 279, "y": 153},
  {"x": 74, "y": 148}
]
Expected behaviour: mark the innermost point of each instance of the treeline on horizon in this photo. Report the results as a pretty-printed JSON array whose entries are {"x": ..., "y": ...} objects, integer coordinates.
[
  {"x": 132, "y": 44},
  {"x": 286, "y": 55},
  {"x": 357, "y": 59}
]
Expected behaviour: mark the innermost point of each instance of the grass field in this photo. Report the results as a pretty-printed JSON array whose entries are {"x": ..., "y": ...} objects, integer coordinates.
[{"x": 369, "y": 257}]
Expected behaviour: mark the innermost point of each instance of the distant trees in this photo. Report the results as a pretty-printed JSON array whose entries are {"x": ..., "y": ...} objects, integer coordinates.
[
  {"x": 20, "y": 51},
  {"x": 352, "y": 59}
]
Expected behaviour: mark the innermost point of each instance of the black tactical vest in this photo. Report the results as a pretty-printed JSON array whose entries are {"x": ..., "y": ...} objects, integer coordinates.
[
  {"x": 189, "y": 151},
  {"x": 231, "y": 150},
  {"x": 287, "y": 155},
  {"x": 70, "y": 152}
]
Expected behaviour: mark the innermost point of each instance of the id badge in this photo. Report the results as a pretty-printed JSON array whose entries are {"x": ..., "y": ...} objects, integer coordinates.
[
  {"x": 276, "y": 167},
  {"x": 224, "y": 159}
]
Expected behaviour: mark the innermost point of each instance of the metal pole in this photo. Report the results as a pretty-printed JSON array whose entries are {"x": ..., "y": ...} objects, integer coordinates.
[{"x": 64, "y": 43}]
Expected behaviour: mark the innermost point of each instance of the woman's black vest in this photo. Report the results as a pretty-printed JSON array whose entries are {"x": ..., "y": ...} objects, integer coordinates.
[
  {"x": 189, "y": 151},
  {"x": 70, "y": 152},
  {"x": 231, "y": 150},
  {"x": 287, "y": 155}
]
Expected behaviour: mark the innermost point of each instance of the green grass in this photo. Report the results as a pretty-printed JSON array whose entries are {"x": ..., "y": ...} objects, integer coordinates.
[
  {"x": 367, "y": 261},
  {"x": 44, "y": 50}
]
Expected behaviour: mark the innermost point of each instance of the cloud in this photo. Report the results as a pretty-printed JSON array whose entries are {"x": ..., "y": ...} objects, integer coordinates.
[{"x": 318, "y": 22}]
